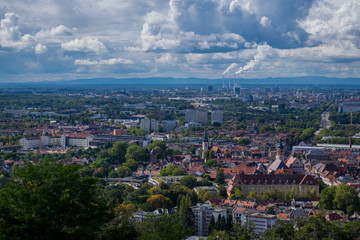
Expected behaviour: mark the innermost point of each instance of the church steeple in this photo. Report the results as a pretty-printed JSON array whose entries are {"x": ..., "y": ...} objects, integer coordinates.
[
  {"x": 205, "y": 138},
  {"x": 205, "y": 145}
]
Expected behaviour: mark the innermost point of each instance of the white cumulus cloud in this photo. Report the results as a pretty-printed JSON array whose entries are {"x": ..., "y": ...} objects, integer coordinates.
[
  {"x": 112, "y": 61},
  {"x": 330, "y": 21},
  {"x": 84, "y": 45},
  {"x": 60, "y": 30},
  {"x": 40, "y": 49},
  {"x": 10, "y": 35}
]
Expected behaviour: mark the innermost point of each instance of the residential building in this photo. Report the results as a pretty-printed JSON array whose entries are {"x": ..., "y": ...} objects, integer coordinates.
[
  {"x": 348, "y": 107},
  {"x": 168, "y": 125},
  {"x": 149, "y": 125},
  {"x": 295, "y": 164},
  {"x": 261, "y": 222},
  {"x": 217, "y": 116},
  {"x": 196, "y": 116},
  {"x": 29, "y": 143},
  {"x": 65, "y": 140},
  {"x": 260, "y": 183},
  {"x": 202, "y": 217}
]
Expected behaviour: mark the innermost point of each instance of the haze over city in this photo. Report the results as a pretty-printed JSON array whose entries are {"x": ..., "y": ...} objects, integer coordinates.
[{"x": 65, "y": 40}]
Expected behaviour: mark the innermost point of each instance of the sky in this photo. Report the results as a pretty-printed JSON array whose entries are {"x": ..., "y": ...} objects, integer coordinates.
[{"x": 77, "y": 39}]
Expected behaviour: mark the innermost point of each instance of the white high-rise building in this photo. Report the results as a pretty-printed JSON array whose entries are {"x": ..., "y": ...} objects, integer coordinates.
[
  {"x": 202, "y": 214},
  {"x": 217, "y": 116},
  {"x": 196, "y": 116},
  {"x": 149, "y": 125}
]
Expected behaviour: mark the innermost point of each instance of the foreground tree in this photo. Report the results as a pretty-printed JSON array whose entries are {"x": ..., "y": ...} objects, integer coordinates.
[
  {"x": 164, "y": 227},
  {"x": 314, "y": 227},
  {"x": 327, "y": 197},
  {"x": 118, "y": 151},
  {"x": 346, "y": 199},
  {"x": 50, "y": 201}
]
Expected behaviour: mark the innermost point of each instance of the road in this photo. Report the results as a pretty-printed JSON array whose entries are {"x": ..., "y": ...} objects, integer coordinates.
[{"x": 324, "y": 123}]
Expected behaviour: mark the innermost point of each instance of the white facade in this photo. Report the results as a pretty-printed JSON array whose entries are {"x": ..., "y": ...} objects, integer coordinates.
[
  {"x": 34, "y": 142},
  {"x": 260, "y": 222},
  {"x": 30, "y": 143},
  {"x": 149, "y": 125},
  {"x": 202, "y": 215}
]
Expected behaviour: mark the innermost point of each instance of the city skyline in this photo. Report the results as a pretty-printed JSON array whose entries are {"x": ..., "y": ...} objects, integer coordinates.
[{"x": 57, "y": 40}]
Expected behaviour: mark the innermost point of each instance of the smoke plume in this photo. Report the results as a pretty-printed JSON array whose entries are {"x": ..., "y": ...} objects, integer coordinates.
[
  {"x": 262, "y": 52},
  {"x": 229, "y": 68}
]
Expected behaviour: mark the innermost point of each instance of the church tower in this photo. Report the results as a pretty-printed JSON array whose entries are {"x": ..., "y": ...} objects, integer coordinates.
[
  {"x": 153, "y": 156},
  {"x": 205, "y": 145}
]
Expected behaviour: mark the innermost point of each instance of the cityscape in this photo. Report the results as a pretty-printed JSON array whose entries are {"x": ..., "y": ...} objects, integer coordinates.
[{"x": 174, "y": 120}]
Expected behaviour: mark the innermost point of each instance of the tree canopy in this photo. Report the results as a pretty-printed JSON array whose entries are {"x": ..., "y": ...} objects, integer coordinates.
[{"x": 50, "y": 201}]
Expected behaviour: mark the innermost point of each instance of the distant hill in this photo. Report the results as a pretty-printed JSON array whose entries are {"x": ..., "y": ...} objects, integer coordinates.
[{"x": 314, "y": 80}]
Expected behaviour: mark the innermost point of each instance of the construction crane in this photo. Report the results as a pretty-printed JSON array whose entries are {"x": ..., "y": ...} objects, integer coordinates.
[
  {"x": 40, "y": 142},
  {"x": 10, "y": 131}
]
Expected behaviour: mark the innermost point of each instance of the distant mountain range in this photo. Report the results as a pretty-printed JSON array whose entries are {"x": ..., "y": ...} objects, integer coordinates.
[{"x": 315, "y": 80}]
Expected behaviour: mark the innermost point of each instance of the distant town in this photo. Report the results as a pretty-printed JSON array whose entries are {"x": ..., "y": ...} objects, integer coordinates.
[{"x": 210, "y": 161}]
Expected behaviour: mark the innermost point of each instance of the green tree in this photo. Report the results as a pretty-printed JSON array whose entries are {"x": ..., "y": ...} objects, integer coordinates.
[
  {"x": 123, "y": 171},
  {"x": 188, "y": 181},
  {"x": 118, "y": 151},
  {"x": 222, "y": 193},
  {"x": 159, "y": 147},
  {"x": 244, "y": 141},
  {"x": 212, "y": 163},
  {"x": 204, "y": 195},
  {"x": 50, "y": 201},
  {"x": 137, "y": 153},
  {"x": 220, "y": 178},
  {"x": 252, "y": 195},
  {"x": 120, "y": 227},
  {"x": 192, "y": 150},
  {"x": 209, "y": 154},
  {"x": 346, "y": 199},
  {"x": 283, "y": 230},
  {"x": 238, "y": 194},
  {"x": 290, "y": 195},
  {"x": 132, "y": 164},
  {"x": 211, "y": 224},
  {"x": 158, "y": 201},
  {"x": 164, "y": 227},
  {"x": 172, "y": 170},
  {"x": 186, "y": 215}
]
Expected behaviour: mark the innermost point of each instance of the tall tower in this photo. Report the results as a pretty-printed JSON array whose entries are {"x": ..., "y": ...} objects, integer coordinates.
[
  {"x": 153, "y": 156},
  {"x": 205, "y": 145},
  {"x": 350, "y": 142}
]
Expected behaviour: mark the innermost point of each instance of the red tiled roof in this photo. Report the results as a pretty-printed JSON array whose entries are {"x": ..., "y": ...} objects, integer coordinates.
[
  {"x": 333, "y": 216},
  {"x": 283, "y": 216},
  {"x": 77, "y": 135},
  {"x": 299, "y": 179}
]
